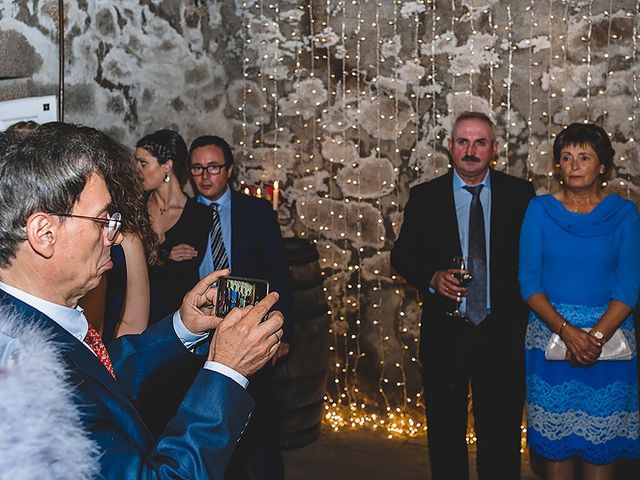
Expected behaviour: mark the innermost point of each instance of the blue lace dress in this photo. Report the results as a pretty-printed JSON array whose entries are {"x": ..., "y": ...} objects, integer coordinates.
[{"x": 581, "y": 262}]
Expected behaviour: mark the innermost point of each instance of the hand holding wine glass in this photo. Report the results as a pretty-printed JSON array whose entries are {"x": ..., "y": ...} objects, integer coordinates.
[{"x": 460, "y": 272}]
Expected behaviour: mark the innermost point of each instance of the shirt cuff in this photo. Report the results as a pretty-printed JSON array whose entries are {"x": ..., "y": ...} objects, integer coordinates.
[
  {"x": 186, "y": 336},
  {"x": 227, "y": 372}
]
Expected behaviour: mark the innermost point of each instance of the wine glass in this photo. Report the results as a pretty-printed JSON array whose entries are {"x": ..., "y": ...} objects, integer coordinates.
[{"x": 462, "y": 274}]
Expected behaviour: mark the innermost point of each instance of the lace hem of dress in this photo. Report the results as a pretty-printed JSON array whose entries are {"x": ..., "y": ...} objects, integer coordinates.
[
  {"x": 576, "y": 396},
  {"x": 596, "y": 430}
]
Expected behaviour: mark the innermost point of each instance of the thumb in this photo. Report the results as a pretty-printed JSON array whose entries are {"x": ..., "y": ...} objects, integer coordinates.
[{"x": 233, "y": 317}]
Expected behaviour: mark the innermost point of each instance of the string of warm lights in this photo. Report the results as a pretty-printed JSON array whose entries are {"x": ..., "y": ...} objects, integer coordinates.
[
  {"x": 367, "y": 93},
  {"x": 492, "y": 63},
  {"x": 277, "y": 60},
  {"x": 359, "y": 216},
  {"x": 432, "y": 60},
  {"x": 587, "y": 99},
  {"x": 634, "y": 68},
  {"x": 530, "y": 84},
  {"x": 508, "y": 84},
  {"x": 415, "y": 95},
  {"x": 550, "y": 94},
  {"x": 450, "y": 38},
  {"x": 608, "y": 74}
]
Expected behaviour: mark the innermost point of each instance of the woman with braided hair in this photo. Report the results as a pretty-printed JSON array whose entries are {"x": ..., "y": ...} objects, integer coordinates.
[{"x": 181, "y": 224}]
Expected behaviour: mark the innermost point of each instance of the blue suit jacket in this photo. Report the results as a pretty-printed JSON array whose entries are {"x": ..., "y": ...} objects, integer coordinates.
[
  {"x": 197, "y": 443},
  {"x": 257, "y": 251}
]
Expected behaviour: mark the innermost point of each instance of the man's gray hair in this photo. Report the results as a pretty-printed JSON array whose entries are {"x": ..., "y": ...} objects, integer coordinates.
[
  {"x": 45, "y": 171},
  {"x": 483, "y": 117}
]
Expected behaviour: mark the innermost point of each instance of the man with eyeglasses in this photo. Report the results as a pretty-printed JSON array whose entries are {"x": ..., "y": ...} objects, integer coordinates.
[
  {"x": 245, "y": 237},
  {"x": 56, "y": 233}
]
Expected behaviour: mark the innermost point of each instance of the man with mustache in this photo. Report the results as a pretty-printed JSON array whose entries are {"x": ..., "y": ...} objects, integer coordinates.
[
  {"x": 257, "y": 255},
  {"x": 475, "y": 212}
]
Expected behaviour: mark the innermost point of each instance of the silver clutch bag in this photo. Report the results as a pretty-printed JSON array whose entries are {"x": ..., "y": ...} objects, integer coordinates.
[{"x": 617, "y": 348}]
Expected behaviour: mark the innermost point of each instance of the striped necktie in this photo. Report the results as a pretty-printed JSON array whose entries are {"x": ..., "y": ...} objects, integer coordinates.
[{"x": 218, "y": 253}]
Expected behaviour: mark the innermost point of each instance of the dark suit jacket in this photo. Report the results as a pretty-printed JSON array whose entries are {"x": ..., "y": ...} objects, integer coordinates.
[
  {"x": 257, "y": 251},
  {"x": 197, "y": 443},
  {"x": 429, "y": 239}
]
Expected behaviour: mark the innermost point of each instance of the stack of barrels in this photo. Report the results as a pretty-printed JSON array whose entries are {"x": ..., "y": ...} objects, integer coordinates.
[{"x": 301, "y": 379}]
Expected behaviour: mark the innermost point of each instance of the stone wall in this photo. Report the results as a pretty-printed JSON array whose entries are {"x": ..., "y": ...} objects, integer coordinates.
[
  {"x": 348, "y": 105},
  {"x": 131, "y": 67}
]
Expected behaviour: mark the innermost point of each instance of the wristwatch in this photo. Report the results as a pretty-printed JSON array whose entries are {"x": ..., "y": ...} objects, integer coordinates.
[{"x": 598, "y": 334}]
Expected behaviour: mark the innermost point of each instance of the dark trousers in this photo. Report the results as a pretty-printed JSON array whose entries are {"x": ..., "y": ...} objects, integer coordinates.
[
  {"x": 257, "y": 455},
  {"x": 492, "y": 362}
]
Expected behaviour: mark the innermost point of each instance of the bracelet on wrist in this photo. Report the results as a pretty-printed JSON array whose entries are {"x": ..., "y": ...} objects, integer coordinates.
[{"x": 564, "y": 324}]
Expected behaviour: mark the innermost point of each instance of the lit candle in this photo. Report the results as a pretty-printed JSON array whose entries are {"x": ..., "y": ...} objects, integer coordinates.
[
  {"x": 247, "y": 191},
  {"x": 276, "y": 193},
  {"x": 259, "y": 192}
]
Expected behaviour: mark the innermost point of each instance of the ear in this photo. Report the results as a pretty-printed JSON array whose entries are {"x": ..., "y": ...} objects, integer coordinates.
[
  {"x": 42, "y": 231},
  {"x": 168, "y": 166},
  {"x": 230, "y": 170}
]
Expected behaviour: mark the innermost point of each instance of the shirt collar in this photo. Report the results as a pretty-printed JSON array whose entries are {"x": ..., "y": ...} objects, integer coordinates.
[
  {"x": 71, "y": 319},
  {"x": 223, "y": 202},
  {"x": 459, "y": 184}
]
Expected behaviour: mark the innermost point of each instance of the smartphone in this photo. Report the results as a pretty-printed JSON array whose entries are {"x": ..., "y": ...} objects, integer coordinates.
[{"x": 239, "y": 292}]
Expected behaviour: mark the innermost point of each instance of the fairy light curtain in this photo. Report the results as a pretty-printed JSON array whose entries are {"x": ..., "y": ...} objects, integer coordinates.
[{"x": 347, "y": 103}]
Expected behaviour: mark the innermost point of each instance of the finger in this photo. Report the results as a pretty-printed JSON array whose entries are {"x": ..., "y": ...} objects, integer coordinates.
[
  {"x": 452, "y": 279},
  {"x": 270, "y": 326},
  {"x": 274, "y": 348},
  {"x": 260, "y": 309},
  {"x": 449, "y": 293},
  {"x": 204, "y": 285},
  {"x": 594, "y": 341},
  {"x": 234, "y": 316}
]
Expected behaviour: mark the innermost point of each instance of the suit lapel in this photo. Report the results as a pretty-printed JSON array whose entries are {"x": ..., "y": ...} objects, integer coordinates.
[
  {"x": 498, "y": 210},
  {"x": 235, "y": 217},
  {"x": 72, "y": 349},
  {"x": 448, "y": 210}
]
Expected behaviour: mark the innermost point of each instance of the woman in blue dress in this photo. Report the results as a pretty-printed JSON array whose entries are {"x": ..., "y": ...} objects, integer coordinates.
[{"x": 580, "y": 275}]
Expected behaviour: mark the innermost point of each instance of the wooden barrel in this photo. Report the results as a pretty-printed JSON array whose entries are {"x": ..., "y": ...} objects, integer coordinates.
[{"x": 301, "y": 379}]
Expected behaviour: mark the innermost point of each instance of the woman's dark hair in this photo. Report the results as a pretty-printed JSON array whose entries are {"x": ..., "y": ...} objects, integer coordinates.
[
  {"x": 167, "y": 145},
  {"x": 586, "y": 134}
]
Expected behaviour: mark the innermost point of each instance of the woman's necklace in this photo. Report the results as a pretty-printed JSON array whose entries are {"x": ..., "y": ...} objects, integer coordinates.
[{"x": 580, "y": 207}]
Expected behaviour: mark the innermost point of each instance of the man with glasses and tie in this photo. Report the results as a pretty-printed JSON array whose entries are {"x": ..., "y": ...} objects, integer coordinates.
[
  {"x": 472, "y": 212},
  {"x": 245, "y": 237},
  {"x": 56, "y": 233}
]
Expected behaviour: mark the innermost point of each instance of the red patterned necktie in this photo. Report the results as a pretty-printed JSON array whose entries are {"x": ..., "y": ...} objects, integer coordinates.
[{"x": 96, "y": 344}]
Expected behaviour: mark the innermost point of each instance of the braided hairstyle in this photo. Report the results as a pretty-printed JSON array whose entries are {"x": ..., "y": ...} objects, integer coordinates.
[{"x": 167, "y": 145}]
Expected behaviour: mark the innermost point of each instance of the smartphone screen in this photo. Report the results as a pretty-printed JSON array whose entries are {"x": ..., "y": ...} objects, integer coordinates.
[{"x": 239, "y": 292}]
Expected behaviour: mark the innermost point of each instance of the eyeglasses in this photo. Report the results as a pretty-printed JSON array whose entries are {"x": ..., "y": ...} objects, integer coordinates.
[
  {"x": 212, "y": 169},
  {"x": 112, "y": 223}
]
